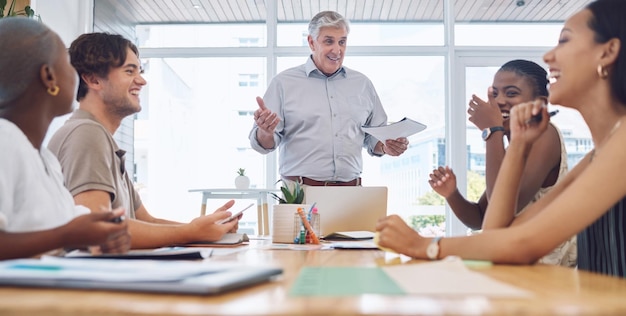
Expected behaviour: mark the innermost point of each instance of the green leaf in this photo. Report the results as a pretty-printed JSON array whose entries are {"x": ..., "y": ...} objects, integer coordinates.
[
  {"x": 295, "y": 196},
  {"x": 11, "y": 9},
  {"x": 288, "y": 196},
  {"x": 241, "y": 171},
  {"x": 29, "y": 11},
  {"x": 3, "y": 4},
  {"x": 278, "y": 198}
]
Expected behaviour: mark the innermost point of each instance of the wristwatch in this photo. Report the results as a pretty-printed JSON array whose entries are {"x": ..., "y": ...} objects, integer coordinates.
[
  {"x": 432, "y": 251},
  {"x": 488, "y": 131}
]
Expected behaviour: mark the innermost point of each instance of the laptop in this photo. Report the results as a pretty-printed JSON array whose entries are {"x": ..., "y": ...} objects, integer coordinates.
[
  {"x": 347, "y": 209},
  {"x": 154, "y": 276}
]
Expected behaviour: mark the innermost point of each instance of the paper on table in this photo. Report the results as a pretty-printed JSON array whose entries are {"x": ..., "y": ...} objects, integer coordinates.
[
  {"x": 403, "y": 128},
  {"x": 449, "y": 277}
]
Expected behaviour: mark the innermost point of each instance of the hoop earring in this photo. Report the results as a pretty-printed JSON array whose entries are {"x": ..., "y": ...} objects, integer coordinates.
[
  {"x": 53, "y": 91},
  {"x": 602, "y": 72}
]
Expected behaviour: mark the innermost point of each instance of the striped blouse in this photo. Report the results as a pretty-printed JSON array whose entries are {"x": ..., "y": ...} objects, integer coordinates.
[{"x": 602, "y": 245}]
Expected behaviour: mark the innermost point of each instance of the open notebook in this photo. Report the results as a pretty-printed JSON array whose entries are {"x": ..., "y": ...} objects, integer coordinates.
[
  {"x": 184, "y": 277},
  {"x": 352, "y": 211}
]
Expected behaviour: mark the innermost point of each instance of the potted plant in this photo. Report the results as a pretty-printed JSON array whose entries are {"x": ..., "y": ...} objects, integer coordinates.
[
  {"x": 27, "y": 11},
  {"x": 290, "y": 196},
  {"x": 242, "y": 182},
  {"x": 286, "y": 223}
]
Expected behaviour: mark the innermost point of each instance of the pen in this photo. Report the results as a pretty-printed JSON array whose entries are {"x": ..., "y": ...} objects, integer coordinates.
[
  {"x": 308, "y": 226},
  {"x": 308, "y": 215},
  {"x": 537, "y": 118}
]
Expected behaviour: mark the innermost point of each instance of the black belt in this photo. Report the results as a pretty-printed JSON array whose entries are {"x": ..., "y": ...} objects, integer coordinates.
[{"x": 316, "y": 183}]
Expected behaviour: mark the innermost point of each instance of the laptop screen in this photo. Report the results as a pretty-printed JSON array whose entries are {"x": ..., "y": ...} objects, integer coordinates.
[{"x": 347, "y": 208}]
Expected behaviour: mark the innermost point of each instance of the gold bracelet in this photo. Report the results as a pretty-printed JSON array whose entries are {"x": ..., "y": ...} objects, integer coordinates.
[{"x": 382, "y": 148}]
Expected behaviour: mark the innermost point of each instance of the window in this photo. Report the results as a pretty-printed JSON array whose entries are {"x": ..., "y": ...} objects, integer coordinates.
[
  {"x": 203, "y": 80},
  {"x": 248, "y": 80}
]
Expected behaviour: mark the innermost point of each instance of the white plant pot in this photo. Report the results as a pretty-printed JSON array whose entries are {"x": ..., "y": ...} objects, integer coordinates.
[
  {"x": 242, "y": 182},
  {"x": 285, "y": 223}
]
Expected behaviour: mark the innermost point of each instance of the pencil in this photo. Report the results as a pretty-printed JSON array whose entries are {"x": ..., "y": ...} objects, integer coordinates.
[{"x": 308, "y": 227}]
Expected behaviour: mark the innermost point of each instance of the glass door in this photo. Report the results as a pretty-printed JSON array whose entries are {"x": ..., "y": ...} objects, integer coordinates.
[{"x": 474, "y": 75}]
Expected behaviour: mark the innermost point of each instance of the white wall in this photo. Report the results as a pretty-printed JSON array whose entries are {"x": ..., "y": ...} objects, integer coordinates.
[{"x": 69, "y": 18}]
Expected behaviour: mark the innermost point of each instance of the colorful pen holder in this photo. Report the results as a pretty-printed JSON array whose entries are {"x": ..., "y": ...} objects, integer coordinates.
[
  {"x": 286, "y": 222},
  {"x": 299, "y": 231}
]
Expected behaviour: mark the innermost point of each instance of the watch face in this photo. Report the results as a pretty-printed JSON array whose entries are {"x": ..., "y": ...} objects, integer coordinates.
[
  {"x": 486, "y": 133},
  {"x": 432, "y": 250}
]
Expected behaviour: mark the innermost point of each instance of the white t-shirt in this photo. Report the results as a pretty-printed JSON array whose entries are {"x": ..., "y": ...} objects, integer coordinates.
[{"x": 32, "y": 194}]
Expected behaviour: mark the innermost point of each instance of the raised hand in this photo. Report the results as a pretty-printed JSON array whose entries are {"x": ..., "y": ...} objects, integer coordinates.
[
  {"x": 265, "y": 119},
  {"x": 522, "y": 127},
  {"x": 484, "y": 114},
  {"x": 443, "y": 181}
]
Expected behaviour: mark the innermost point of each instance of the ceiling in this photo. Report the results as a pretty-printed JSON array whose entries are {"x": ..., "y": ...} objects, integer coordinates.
[{"x": 296, "y": 11}]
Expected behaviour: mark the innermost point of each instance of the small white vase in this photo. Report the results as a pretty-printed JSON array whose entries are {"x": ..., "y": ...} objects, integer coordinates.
[{"x": 242, "y": 182}]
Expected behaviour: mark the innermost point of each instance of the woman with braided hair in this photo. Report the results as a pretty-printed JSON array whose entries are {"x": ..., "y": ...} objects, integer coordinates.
[{"x": 517, "y": 81}]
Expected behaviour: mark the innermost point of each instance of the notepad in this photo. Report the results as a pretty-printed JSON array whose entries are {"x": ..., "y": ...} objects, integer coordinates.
[
  {"x": 167, "y": 253},
  {"x": 351, "y": 235},
  {"x": 355, "y": 245},
  {"x": 228, "y": 240}
]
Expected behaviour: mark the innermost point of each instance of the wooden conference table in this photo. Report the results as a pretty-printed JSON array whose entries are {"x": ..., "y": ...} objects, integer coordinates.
[{"x": 557, "y": 291}]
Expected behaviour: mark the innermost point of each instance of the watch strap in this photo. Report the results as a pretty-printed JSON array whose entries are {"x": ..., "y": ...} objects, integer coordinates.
[{"x": 490, "y": 130}]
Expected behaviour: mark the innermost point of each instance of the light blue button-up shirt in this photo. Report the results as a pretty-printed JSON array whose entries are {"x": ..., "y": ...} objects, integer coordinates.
[{"x": 319, "y": 134}]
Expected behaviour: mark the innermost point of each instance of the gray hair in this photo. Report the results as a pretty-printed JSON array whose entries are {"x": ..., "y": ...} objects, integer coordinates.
[
  {"x": 327, "y": 19},
  {"x": 32, "y": 44}
]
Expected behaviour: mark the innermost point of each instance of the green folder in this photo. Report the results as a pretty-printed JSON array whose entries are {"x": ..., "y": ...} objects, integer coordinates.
[{"x": 343, "y": 281}]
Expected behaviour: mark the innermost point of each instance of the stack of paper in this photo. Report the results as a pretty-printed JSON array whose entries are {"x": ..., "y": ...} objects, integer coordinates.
[{"x": 133, "y": 275}]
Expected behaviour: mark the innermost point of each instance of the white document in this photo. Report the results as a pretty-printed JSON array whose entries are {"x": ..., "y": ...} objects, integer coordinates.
[
  {"x": 403, "y": 128},
  {"x": 449, "y": 277}
]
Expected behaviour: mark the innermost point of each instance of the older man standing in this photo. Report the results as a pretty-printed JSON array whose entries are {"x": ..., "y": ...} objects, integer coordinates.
[{"x": 314, "y": 113}]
